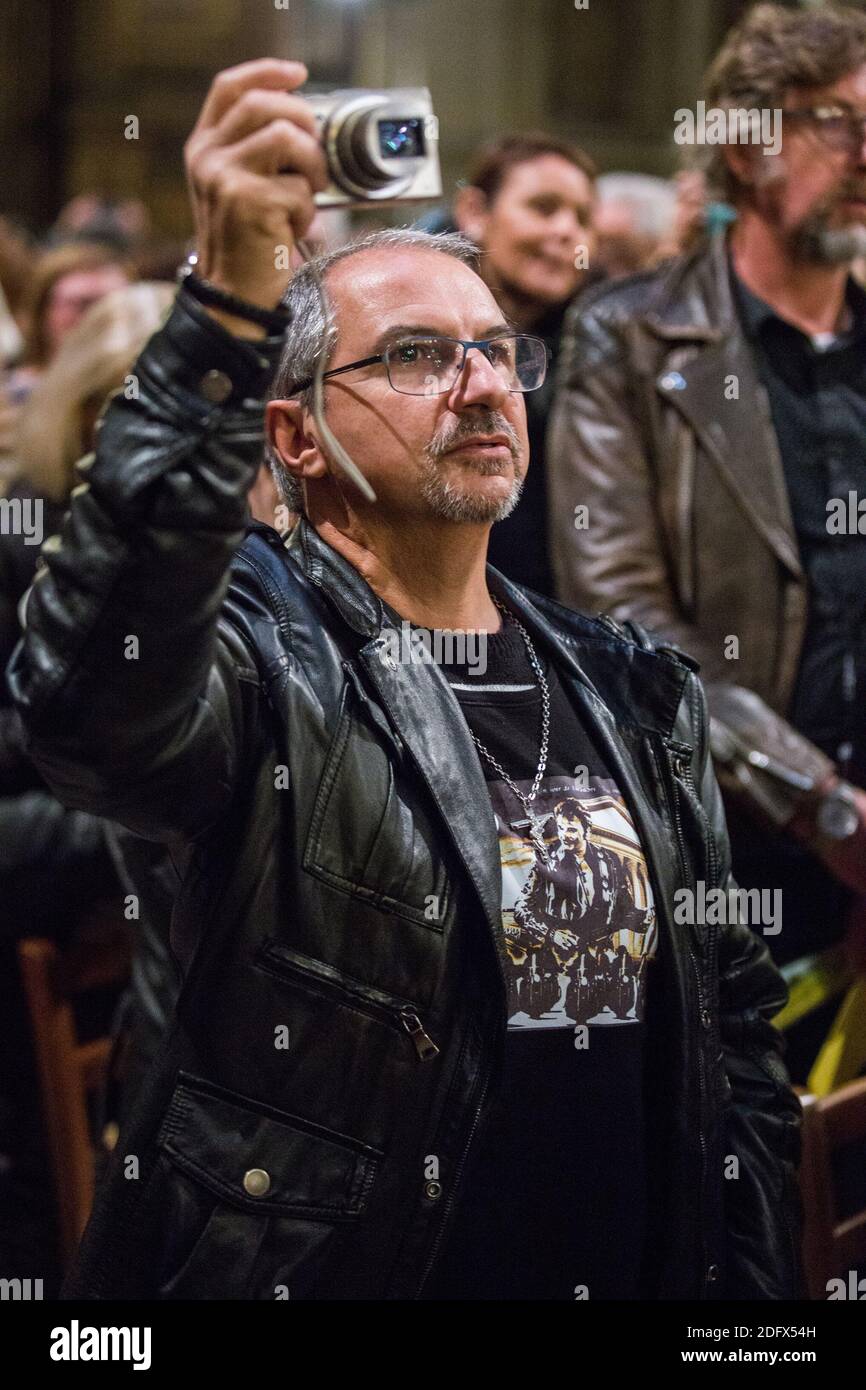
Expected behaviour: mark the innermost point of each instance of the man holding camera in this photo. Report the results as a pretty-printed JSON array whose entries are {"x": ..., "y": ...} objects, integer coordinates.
[{"x": 322, "y": 1123}]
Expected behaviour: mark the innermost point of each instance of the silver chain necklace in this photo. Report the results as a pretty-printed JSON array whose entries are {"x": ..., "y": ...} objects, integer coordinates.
[{"x": 534, "y": 824}]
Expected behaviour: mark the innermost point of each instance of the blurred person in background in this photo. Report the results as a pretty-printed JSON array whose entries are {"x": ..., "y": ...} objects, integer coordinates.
[
  {"x": 65, "y": 282},
  {"x": 16, "y": 268},
  {"x": 708, "y": 415},
  {"x": 529, "y": 204},
  {"x": 634, "y": 222},
  {"x": 55, "y": 866},
  {"x": 123, "y": 224}
]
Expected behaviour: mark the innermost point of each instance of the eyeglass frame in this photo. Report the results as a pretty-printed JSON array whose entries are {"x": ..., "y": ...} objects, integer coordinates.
[
  {"x": 834, "y": 109},
  {"x": 465, "y": 343}
]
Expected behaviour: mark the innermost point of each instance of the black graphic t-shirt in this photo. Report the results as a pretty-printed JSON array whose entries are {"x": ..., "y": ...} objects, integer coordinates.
[{"x": 554, "y": 1199}]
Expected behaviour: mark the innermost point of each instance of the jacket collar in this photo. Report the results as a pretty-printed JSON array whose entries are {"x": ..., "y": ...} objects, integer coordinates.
[
  {"x": 331, "y": 572},
  {"x": 620, "y": 691},
  {"x": 642, "y": 688},
  {"x": 719, "y": 392},
  {"x": 693, "y": 299}
]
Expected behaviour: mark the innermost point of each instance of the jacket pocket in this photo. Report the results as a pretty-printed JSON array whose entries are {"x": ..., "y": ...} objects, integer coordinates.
[
  {"x": 219, "y": 1138},
  {"x": 251, "y": 1194},
  {"x": 325, "y": 980}
]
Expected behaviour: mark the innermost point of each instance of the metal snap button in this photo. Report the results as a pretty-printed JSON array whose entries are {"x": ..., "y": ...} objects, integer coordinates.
[
  {"x": 257, "y": 1183},
  {"x": 433, "y": 1190},
  {"x": 386, "y": 657},
  {"x": 215, "y": 386}
]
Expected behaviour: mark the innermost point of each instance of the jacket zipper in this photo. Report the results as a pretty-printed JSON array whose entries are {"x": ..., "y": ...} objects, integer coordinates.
[{"x": 399, "y": 1013}]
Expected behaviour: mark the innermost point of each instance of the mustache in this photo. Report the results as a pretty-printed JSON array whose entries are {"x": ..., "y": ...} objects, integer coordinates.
[{"x": 466, "y": 428}]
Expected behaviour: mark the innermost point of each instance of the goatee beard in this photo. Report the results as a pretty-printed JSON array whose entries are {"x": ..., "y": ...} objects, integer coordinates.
[
  {"x": 817, "y": 244},
  {"x": 446, "y": 498}
]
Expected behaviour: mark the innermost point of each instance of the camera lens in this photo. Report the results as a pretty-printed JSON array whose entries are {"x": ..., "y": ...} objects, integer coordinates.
[{"x": 401, "y": 139}]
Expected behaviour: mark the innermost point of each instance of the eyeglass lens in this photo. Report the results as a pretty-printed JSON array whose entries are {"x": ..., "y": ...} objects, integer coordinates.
[{"x": 430, "y": 366}]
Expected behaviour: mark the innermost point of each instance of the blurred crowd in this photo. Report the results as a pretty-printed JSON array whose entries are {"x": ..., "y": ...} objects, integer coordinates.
[{"x": 77, "y": 304}]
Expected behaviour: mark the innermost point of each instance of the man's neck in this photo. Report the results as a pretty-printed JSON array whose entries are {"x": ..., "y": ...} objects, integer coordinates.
[
  {"x": 812, "y": 297},
  {"x": 432, "y": 574}
]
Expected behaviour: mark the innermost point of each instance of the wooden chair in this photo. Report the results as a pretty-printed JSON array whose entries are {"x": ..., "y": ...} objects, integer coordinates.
[
  {"x": 69, "y": 1070},
  {"x": 832, "y": 1246}
]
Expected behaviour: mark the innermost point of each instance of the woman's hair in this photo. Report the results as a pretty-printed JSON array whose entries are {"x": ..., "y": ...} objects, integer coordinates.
[
  {"x": 51, "y": 267},
  {"x": 494, "y": 161},
  {"x": 16, "y": 267},
  {"x": 92, "y": 362}
]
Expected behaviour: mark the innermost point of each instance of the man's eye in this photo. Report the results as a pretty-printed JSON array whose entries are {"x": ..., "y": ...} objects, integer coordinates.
[
  {"x": 407, "y": 352},
  {"x": 501, "y": 351},
  {"x": 419, "y": 353}
]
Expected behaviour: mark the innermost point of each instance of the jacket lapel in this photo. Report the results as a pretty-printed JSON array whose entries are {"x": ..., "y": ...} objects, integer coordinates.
[
  {"x": 421, "y": 705},
  {"x": 738, "y": 433}
]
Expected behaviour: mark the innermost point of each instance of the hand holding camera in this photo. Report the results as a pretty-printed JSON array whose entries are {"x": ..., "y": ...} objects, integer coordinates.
[
  {"x": 253, "y": 162},
  {"x": 260, "y": 160}
]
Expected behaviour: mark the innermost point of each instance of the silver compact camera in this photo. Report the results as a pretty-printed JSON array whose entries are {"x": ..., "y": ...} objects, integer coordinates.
[{"x": 381, "y": 146}]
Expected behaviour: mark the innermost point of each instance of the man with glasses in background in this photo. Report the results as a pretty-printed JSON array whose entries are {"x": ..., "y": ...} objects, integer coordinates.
[
  {"x": 350, "y": 1104},
  {"x": 711, "y": 421}
]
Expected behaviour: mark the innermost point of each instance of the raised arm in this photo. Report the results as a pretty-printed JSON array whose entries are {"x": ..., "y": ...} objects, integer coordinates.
[{"x": 133, "y": 690}]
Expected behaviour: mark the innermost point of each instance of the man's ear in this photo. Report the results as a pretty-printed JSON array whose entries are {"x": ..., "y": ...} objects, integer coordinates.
[
  {"x": 288, "y": 436},
  {"x": 471, "y": 212}
]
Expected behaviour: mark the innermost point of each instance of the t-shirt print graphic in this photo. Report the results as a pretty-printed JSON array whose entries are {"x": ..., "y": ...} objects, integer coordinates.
[{"x": 580, "y": 931}]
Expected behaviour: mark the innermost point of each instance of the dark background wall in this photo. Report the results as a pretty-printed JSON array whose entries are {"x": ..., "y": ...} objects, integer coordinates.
[{"x": 72, "y": 71}]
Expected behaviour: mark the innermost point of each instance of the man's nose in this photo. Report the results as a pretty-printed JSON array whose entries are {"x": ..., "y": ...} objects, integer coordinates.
[{"x": 478, "y": 383}]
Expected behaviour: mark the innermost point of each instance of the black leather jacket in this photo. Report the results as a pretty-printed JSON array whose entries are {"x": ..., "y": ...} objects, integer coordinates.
[{"x": 339, "y": 920}]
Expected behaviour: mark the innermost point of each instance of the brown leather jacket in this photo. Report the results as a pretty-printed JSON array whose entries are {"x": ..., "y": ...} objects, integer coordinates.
[{"x": 661, "y": 429}]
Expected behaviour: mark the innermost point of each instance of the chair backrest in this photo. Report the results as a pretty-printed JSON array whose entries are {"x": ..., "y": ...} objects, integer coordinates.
[
  {"x": 833, "y": 1245},
  {"x": 70, "y": 1070}
]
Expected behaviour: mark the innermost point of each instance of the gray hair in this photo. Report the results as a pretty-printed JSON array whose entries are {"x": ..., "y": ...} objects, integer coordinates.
[
  {"x": 651, "y": 201},
  {"x": 312, "y": 331}
]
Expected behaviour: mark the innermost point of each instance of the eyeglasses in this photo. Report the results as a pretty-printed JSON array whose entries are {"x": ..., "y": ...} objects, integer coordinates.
[
  {"x": 430, "y": 365},
  {"x": 840, "y": 127}
]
